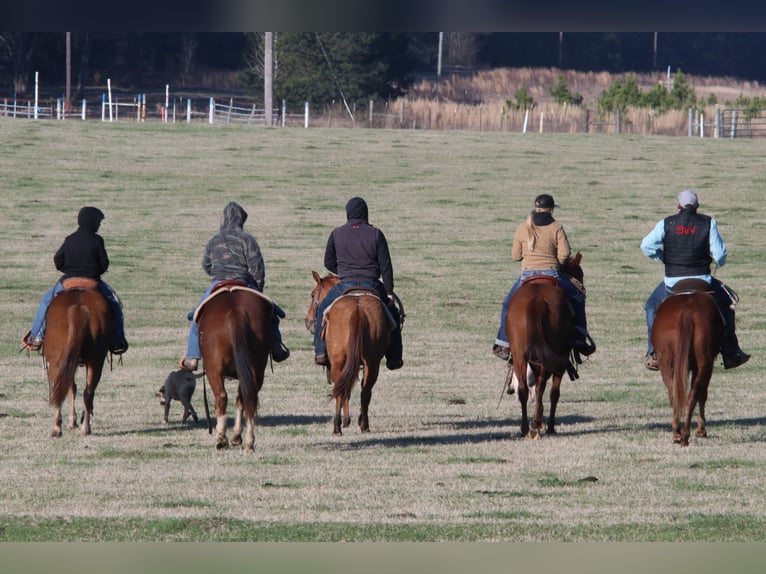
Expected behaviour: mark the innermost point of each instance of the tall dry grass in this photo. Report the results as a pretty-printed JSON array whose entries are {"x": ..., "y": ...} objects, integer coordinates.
[{"x": 478, "y": 102}]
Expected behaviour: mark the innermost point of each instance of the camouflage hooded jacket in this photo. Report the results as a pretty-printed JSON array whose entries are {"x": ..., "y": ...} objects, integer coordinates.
[{"x": 232, "y": 253}]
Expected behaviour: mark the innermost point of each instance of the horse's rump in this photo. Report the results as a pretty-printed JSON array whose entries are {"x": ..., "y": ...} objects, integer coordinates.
[
  {"x": 539, "y": 326},
  {"x": 77, "y": 326},
  {"x": 357, "y": 329}
]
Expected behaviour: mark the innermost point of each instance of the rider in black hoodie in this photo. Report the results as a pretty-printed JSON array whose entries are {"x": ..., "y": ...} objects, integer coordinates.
[
  {"x": 82, "y": 255},
  {"x": 358, "y": 253}
]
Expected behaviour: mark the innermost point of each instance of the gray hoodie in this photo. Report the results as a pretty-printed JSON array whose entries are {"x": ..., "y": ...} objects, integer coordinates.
[{"x": 232, "y": 253}]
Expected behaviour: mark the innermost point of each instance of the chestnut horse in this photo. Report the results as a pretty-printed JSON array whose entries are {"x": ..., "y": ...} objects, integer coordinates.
[
  {"x": 687, "y": 335},
  {"x": 76, "y": 333},
  {"x": 540, "y": 328},
  {"x": 357, "y": 330},
  {"x": 235, "y": 340}
]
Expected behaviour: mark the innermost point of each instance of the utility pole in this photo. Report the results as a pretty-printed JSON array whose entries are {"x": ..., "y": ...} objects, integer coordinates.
[
  {"x": 654, "y": 53},
  {"x": 439, "y": 57},
  {"x": 268, "y": 68},
  {"x": 561, "y": 49},
  {"x": 68, "y": 98}
]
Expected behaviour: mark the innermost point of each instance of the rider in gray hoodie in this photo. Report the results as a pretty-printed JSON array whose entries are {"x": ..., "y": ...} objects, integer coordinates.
[{"x": 233, "y": 254}]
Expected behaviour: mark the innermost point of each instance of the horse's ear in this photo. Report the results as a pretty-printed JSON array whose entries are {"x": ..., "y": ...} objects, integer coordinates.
[
  {"x": 578, "y": 258},
  {"x": 316, "y": 276}
]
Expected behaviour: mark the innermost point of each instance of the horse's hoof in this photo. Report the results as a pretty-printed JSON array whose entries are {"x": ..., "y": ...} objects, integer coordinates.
[
  {"x": 55, "y": 434},
  {"x": 236, "y": 441},
  {"x": 337, "y": 432},
  {"x": 347, "y": 422},
  {"x": 250, "y": 449},
  {"x": 222, "y": 444},
  {"x": 533, "y": 435},
  {"x": 701, "y": 433}
]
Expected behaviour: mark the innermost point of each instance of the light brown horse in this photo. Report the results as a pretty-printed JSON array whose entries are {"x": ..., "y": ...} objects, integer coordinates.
[
  {"x": 235, "y": 341},
  {"x": 540, "y": 328},
  {"x": 76, "y": 333},
  {"x": 687, "y": 335},
  {"x": 357, "y": 331}
]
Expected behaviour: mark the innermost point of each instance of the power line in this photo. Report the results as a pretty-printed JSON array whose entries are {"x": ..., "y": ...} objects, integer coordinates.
[{"x": 335, "y": 79}]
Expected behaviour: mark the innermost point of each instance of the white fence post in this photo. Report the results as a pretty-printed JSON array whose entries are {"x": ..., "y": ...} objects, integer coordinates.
[
  {"x": 284, "y": 112},
  {"x": 188, "y": 110},
  {"x": 36, "y": 92},
  {"x": 526, "y": 121},
  {"x": 211, "y": 112},
  {"x": 306, "y": 115},
  {"x": 83, "y": 108}
]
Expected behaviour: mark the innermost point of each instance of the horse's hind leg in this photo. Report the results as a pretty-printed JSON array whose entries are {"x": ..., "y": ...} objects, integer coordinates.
[
  {"x": 56, "y": 432},
  {"x": 346, "y": 413},
  {"x": 364, "y": 418},
  {"x": 236, "y": 438},
  {"x": 336, "y": 423},
  {"x": 555, "y": 394},
  {"x": 701, "y": 430},
  {"x": 93, "y": 375},
  {"x": 72, "y": 413}
]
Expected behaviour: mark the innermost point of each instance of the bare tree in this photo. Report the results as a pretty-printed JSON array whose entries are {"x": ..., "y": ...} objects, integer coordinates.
[{"x": 189, "y": 44}]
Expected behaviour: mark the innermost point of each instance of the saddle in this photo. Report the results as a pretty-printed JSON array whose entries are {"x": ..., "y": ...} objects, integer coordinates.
[
  {"x": 227, "y": 287},
  {"x": 86, "y": 283},
  {"x": 686, "y": 286},
  {"x": 540, "y": 279}
]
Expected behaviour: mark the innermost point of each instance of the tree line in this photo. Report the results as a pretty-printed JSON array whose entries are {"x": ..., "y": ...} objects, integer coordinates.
[{"x": 353, "y": 66}]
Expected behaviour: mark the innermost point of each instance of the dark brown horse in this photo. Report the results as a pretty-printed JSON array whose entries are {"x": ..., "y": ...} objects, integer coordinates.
[
  {"x": 235, "y": 339},
  {"x": 540, "y": 328},
  {"x": 357, "y": 330},
  {"x": 687, "y": 335},
  {"x": 76, "y": 333}
]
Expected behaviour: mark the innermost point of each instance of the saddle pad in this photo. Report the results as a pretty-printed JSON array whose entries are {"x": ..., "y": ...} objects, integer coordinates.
[{"x": 228, "y": 288}]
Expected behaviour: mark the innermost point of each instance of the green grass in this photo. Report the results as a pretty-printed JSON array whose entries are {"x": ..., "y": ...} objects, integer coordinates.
[{"x": 444, "y": 460}]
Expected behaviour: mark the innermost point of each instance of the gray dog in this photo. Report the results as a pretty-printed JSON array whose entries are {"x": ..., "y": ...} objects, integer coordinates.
[{"x": 179, "y": 386}]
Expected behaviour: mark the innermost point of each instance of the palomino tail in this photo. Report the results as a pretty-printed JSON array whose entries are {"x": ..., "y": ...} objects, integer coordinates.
[
  {"x": 539, "y": 349},
  {"x": 239, "y": 328},
  {"x": 69, "y": 358},
  {"x": 350, "y": 371},
  {"x": 681, "y": 362}
]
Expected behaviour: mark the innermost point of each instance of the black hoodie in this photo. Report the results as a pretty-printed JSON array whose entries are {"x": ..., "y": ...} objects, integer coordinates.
[
  {"x": 83, "y": 253},
  {"x": 357, "y": 251}
]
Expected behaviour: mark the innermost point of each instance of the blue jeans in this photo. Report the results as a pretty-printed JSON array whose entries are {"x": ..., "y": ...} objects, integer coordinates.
[
  {"x": 192, "y": 344},
  {"x": 574, "y": 295},
  {"x": 722, "y": 299},
  {"x": 116, "y": 337},
  {"x": 394, "y": 352}
]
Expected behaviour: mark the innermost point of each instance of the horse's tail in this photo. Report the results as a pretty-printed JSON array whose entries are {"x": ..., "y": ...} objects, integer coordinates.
[
  {"x": 69, "y": 359},
  {"x": 681, "y": 361},
  {"x": 540, "y": 351},
  {"x": 349, "y": 374},
  {"x": 239, "y": 329}
]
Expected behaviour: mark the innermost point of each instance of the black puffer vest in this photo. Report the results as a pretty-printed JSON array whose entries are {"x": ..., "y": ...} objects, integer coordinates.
[{"x": 687, "y": 244}]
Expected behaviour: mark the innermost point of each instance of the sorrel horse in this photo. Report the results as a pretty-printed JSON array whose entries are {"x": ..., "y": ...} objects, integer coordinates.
[
  {"x": 687, "y": 335},
  {"x": 357, "y": 330},
  {"x": 76, "y": 333},
  {"x": 540, "y": 328},
  {"x": 235, "y": 340}
]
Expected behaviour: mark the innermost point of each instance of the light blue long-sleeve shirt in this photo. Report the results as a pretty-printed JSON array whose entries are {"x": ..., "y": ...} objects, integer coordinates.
[{"x": 652, "y": 245}]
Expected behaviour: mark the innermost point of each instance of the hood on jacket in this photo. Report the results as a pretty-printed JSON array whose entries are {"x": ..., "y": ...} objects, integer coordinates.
[
  {"x": 356, "y": 208},
  {"x": 234, "y": 216},
  {"x": 90, "y": 218}
]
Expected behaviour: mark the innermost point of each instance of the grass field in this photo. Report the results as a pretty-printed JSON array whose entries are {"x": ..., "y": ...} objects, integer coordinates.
[{"x": 444, "y": 460}]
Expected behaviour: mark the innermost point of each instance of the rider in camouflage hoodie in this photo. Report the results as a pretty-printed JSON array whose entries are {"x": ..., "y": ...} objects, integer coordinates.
[{"x": 233, "y": 254}]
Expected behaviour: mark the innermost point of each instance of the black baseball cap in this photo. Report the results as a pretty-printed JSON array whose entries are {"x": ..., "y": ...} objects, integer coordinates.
[{"x": 545, "y": 201}]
